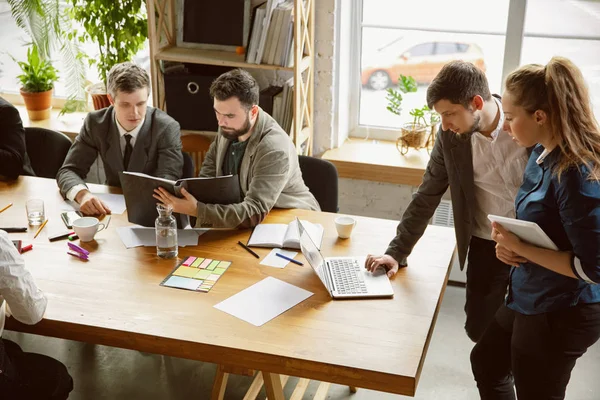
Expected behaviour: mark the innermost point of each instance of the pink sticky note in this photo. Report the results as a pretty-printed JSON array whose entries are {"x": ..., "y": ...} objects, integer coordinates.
[
  {"x": 205, "y": 263},
  {"x": 189, "y": 261}
]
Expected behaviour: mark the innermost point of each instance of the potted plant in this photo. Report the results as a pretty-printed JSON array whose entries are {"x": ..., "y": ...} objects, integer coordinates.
[
  {"x": 415, "y": 133},
  {"x": 119, "y": 28},
  {"x": 37, "y": 82},
  {"x": 47, "y": 23}
]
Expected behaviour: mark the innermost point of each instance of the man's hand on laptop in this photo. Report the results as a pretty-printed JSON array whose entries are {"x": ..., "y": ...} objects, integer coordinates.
[
  {"x": 385, "y": 261},
  {"x": 90, "y": 204}
]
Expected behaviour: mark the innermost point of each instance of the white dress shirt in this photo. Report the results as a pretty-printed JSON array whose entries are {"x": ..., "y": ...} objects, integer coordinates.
[
  {"x": 498, "y": 166},
  {"x": 72, "y": 193},
  {"x": 17, "y": 288}
]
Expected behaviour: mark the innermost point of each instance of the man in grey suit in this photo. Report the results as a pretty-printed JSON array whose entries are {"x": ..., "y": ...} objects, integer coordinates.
[
  {"x": 483, "y": 166},
  {"x": 128, "y": 136}
]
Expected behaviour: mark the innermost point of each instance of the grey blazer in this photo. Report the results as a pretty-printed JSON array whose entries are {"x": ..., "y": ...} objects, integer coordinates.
[
  {"x": 270, "y": 177},
  {"x": 157, "y": 149}
]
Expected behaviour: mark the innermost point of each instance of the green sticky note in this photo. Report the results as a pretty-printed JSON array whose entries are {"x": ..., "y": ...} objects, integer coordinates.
[
  {"x": 219, "y": 271},
  {"x": 213, "y": 265},
  {"x": 197, "y": 263},
  {"x": 202, "y": 274},
  {"x": 224, "y": 264}
]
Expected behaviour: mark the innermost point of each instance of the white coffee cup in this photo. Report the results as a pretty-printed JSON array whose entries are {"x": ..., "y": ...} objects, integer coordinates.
[
  {"x": 344, "y": 226},
  {"x": 86, "y": 228}
]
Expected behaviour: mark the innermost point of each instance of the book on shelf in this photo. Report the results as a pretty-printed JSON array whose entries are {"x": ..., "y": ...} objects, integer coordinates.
[
  {"x": 284, "y": 235},
  {"x": 138, "y": 189},
  {"x": 258, "y": 16},
  {"x": 266, "y": 99}
]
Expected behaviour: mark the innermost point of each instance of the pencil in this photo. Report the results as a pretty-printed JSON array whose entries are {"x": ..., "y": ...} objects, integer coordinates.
[
  {"x": 8, "y": 206},
  {"x": 40, "y": 228},
  {"x": 248, "y": 249}
]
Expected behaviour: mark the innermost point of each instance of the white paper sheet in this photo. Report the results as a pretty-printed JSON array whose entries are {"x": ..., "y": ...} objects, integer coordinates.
[
  {"x": 273, "y": 261},
  {"x": 116, "y": 202},
  {"x": 263, "y": 301},
  {"x": 135, "y": 236}
]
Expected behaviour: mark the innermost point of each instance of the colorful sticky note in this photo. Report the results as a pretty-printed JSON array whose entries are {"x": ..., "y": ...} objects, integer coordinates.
[
  {"x": 197, "y": 263},
  {"x": 217, "y": 271},
  {"x": 224, "y": 264},
  {"x": 202, "y": 274},
  {"x": 188, "y": 261},
  {"x": 213, "y": 277},
  {"x": 205, "y": 263},
  {"x": 182, "y": 283},
  {"x": 213, "y": 265},
  {"x": 186, "y": 271},
  {"x": 203, "y": 289}
]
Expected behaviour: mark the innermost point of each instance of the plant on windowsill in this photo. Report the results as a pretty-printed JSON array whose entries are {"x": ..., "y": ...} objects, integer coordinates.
[
  {"x": 46, "y": 24},
  {"x": 119, "y": 28},
  {"x": 37, "y": 82},
  {"x": 412, "y": 134}
]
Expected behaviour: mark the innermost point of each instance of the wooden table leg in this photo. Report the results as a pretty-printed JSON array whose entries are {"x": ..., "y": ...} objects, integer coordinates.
[
  {"x": 273, "y": 386},
  {"x": 353, "y": 389},
  {"x": 220, "y": 384}
]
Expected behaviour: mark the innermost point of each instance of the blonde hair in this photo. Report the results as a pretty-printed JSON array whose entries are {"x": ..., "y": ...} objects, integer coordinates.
[{"x": 560, "y": 91}]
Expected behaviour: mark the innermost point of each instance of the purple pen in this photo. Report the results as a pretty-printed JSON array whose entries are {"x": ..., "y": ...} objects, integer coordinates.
[
  {"x": 77, "y": 254},
  {"x": 78, "y": 249}
]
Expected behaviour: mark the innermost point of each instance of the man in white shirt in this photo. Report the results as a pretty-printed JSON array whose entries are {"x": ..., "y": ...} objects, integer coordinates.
[
  {"x": 484, "y": 168},
  {"x": 25, "y": 375},
  {"x": 128, "y": 136}
]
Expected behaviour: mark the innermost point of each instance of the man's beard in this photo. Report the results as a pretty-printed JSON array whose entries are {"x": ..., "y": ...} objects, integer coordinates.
[
  {"x": 475, "y": 127},
  {"x": 234, "y": 134}
]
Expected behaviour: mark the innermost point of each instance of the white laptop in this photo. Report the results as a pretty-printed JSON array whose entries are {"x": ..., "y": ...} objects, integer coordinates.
[{"x": 344, "y": 277}]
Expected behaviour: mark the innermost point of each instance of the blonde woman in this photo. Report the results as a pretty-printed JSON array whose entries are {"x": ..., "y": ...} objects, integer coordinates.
[{"x": 552, "y": 311}]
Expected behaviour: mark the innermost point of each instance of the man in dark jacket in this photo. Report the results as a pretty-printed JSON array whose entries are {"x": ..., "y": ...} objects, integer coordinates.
[
  {"x": 13, "y": 156},
  {"x": 483, "y": 167}
]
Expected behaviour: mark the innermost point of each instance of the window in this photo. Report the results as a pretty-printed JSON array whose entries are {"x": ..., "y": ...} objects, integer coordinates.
[
  {"x": 15, "y": 42},
  {"x": 422, "y": 42},
  {"x": 419, "y": 46}
]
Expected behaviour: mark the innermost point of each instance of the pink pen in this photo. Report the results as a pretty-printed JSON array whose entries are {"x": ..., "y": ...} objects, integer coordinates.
[{"x": 78, "y": 255}]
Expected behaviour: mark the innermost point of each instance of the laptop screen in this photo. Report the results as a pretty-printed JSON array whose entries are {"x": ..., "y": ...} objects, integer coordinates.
[{"x": 312, "y": 253}]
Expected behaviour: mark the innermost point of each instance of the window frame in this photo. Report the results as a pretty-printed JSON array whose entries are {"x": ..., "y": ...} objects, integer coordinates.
[{"x": 513, "y": 44}]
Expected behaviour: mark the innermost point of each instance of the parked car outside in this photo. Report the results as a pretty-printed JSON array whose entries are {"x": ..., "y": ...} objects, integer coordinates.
[{"x": 422, "y": 61}]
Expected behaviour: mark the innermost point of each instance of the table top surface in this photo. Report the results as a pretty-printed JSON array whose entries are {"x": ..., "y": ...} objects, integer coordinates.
[{"x": 115, "y": 298}]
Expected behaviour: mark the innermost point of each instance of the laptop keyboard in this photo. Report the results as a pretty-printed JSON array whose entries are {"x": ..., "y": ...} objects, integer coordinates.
[{"x": 347, "y": 276}]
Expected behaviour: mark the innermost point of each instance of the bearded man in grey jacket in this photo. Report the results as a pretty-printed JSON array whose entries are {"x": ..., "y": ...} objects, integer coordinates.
[{"x": 251, "y": 145}]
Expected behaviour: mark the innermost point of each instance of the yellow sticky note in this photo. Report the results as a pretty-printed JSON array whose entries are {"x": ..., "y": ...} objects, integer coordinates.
[
  {"x": 202, "y": 274},
  {"x": 188, "y": 272},
  {"x": 224, "y": 264}
]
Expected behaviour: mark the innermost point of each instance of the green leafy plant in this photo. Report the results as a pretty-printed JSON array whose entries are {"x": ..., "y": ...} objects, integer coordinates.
[
  {"x": 38, "y": 74},
  {"x": 46, "y": 22},
  {"x": 406, "y": 84},
  {"x": 119, "y": 28}
]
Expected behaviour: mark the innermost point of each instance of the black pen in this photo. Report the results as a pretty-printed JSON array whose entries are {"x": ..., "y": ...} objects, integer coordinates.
[
  {"x": 248, "y": 249},
  {"x": 9, "y": 230}
]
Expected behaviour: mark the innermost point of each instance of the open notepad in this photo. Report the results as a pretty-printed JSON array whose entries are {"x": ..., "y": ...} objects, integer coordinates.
[{"x": 284, "y": 236}]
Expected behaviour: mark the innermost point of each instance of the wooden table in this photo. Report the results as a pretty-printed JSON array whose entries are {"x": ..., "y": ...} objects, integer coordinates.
[{"x": 115, "y": 299}]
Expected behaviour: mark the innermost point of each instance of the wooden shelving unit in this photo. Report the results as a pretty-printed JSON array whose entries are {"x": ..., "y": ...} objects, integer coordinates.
[{"x": 162, "y": 32}]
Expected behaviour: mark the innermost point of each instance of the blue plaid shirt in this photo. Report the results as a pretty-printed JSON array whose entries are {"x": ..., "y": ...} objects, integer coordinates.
[{"x": 569, "y": 212}]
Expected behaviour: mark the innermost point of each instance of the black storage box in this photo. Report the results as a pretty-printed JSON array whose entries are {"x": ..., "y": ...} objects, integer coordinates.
[{"x": 188, "y": 99}]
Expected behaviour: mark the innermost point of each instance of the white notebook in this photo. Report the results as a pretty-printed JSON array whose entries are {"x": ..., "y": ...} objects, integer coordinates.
[{"x": 284, "y": 236}]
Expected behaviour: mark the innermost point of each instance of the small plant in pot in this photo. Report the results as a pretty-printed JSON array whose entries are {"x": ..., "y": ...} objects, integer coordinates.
[
  {"x": 37, "y": 83},
  {"x": 420, "y": 132}
]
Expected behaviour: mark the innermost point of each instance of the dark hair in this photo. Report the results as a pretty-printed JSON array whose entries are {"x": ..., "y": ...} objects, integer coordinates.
[
  {"x": 560, "y": 91},
  {"x": 127, "y": 77},
  {"x": 236, "y": 83},
  {"x": 458, "y": 82}
]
